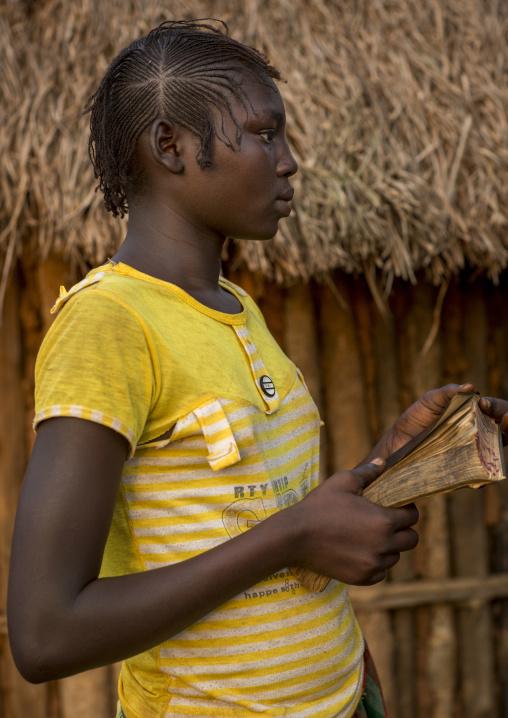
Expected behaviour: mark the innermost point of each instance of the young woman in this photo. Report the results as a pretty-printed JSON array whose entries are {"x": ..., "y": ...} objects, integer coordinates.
[{"x": 174, "y": 474}]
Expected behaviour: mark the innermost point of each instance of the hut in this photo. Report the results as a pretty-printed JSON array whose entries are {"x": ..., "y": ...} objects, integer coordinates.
[{"x": 389, "y": 278}]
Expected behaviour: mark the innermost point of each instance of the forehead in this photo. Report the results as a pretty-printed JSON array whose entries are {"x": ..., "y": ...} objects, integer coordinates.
[{"x": 259, "y": 99}]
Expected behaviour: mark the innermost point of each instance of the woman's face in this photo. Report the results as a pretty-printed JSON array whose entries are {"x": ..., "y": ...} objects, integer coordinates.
[{"x": 246, "y": 191}]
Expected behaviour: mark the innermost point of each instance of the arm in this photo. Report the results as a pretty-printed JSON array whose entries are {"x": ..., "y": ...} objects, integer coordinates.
[{"x": 64, "y": 619}]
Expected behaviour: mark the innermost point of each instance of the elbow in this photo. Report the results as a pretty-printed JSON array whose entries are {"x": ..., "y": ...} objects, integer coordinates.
[
  {"x": 35, "y": 653},
  {"x": 30, "y": 672},
  {"x": 29, "y": 663},
  {"x": 30, "y": 660}
]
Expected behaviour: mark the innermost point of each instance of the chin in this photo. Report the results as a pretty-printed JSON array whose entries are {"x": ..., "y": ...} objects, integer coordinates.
[{"x": 259, "y": 236}]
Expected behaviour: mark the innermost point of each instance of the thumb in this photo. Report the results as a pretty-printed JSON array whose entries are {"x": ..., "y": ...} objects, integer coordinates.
[{"x": 369, "y": 472}]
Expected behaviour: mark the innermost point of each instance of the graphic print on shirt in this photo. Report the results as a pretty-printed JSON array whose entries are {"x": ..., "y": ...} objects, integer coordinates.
[
  {"x": 249, "y": 508},
  {"x": 242, "y": 514}
]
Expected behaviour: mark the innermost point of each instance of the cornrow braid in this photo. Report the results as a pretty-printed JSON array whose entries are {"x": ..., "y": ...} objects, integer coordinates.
[{"x": 180, "y": 71}]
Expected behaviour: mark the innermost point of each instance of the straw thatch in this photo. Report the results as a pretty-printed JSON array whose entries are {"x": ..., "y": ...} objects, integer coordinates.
[{"x": 397, "y": 115}]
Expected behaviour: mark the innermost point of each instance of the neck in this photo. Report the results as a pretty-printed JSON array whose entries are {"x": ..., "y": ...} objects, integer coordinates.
[{"x": 168, "y": 248}]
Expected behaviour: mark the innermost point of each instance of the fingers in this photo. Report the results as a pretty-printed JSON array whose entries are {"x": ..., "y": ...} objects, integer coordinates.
[
  {"x": 367, "y": 473},
  {"x": 406, "y": 540},
  {"x": 402, "y": 541},
  {"x": 397, "y": 535},
  {"x": 404, "y": 516},
  {"x": 374, "y": 578},
  {"x": 343, "y": 535},
  {"x": 377, "y": 570},
  {"x": 498, "y": 410},
  {"x": 357, "y": 479},
  {"x": 444, "y": 394}
]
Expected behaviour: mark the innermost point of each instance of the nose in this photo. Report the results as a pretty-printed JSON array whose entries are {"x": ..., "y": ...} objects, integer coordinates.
[{"x": 287, "y": 166}]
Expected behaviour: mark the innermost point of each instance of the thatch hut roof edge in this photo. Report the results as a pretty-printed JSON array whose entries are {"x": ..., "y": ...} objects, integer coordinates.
[{"x": 397, "y": 114}]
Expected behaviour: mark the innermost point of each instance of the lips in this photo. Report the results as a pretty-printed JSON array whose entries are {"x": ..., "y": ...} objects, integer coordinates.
[
  {"x": 283, "y": 200},
  {"x": 287, "y": 196}
]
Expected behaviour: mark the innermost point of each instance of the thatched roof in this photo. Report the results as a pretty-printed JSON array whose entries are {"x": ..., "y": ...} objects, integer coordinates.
[{"x": 397, "y": 115}]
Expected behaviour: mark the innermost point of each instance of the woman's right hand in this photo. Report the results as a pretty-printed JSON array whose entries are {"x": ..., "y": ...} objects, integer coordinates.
[{"x": 341, "y": 534}]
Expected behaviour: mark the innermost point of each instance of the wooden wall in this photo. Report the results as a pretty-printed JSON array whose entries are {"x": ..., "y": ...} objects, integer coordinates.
[{"x": 438, "y": 627}]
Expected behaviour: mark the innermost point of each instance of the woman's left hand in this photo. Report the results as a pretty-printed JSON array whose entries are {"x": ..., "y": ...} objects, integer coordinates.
[
  {"x": 421, "y": 414},
  {"x": 498, "y": 410}
]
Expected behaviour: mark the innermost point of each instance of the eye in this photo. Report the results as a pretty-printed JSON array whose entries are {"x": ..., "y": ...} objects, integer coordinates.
[{"x": 267, "y": 135}]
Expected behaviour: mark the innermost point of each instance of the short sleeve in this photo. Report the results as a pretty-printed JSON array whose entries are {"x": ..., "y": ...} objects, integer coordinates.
[{"x": 95, "y": 363}]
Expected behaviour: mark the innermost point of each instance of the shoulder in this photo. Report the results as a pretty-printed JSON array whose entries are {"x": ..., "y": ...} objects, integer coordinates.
[
  {"x": 93, "y": 319},
  {"x": 110, "y": 301}
]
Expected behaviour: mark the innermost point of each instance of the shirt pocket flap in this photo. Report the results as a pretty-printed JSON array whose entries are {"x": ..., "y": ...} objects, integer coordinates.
[{"x": 220, "y": 441}]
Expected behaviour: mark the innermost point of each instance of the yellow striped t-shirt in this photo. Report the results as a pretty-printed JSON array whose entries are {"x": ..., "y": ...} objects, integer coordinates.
[{"x": 143, "y": 357}]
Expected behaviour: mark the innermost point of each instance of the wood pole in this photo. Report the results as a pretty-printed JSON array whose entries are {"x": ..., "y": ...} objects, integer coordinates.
[
  {"x": 498, "y": 386},
  {"x": 40, "y": 285},
  {"x": 387, "y": 396},
  {"x": 436, "y": 644},
  {"x": 348, "y": 429},
  {"x": 377, "y": 625},
  {"x": 469, "y": 590},
  {"x": 87, "y": 695},
  {"x": 114, "y": 675},
  {"x": 19, "y": 698},
  {"x": 271, "y": 304},
  {"x": 365, "y": 317},
  {"x": 345, "y": 406},
  {"x": 470, "y": 538},
  {"x": 300, "y": 339},
  {"x": 251, "y": 282}
]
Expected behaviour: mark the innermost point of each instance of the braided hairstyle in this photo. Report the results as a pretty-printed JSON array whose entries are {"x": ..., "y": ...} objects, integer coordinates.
[{"x": 180, "y": 71}]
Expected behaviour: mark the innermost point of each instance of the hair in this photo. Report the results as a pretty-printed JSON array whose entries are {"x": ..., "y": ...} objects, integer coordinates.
[{"x": 181, "y": 71}]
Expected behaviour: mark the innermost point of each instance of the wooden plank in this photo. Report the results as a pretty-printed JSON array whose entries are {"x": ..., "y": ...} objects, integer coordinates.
[
  {"x": 365, "y": 315},
  {"x": 20, "y": 699},
  {"x": 470, "y": 545},
  {"x": 251, "y": 282},
  {"x": 388, "y": 392},
  {"x": 497, "y": 348},
  {"x": 87, "y": 695},
  {"x": 377, "y": 625},
  {"x": 272, "y": 306},
  {"x": 469, "y": 590},
  {"x": 50, "y": 275},
  {"x": 347, "y": 427},
  {"x": 41, "y": 284},
  {"x": 348, "y": 430},
  {"x": 300, "y": 338},
  {"x": 114, "y": 676},
  {"x": 417, "y": 321}
]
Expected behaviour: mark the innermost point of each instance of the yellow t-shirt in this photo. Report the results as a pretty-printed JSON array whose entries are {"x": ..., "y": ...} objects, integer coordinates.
[{"x": 141, "y": 356}]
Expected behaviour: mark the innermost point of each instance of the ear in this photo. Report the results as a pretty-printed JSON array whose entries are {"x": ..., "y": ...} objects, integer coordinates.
[{"x": 166, "y": 142}]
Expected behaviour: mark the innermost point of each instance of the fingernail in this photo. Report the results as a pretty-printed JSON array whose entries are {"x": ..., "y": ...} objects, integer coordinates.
[
  {"x": 486, "y": 403},
  {"x": 378, "y": 461}
]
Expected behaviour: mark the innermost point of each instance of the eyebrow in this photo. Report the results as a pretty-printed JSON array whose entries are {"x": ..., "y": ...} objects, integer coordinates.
[{"x": 270, "y": 115}]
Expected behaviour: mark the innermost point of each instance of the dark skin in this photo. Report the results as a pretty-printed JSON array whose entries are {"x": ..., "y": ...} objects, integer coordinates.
[{"x": 64, "y": 619}]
